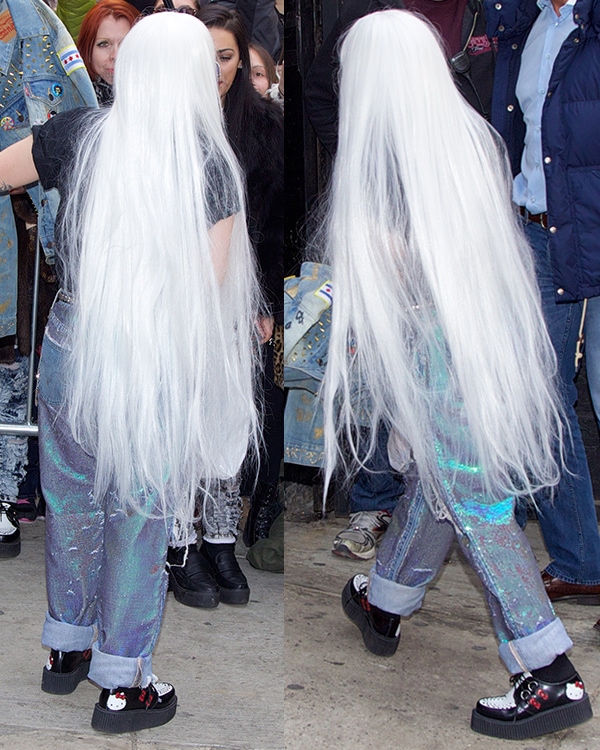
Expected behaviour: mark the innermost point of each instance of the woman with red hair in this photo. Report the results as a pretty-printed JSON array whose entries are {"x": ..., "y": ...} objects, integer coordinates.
[{"x": 103, "y": 29}]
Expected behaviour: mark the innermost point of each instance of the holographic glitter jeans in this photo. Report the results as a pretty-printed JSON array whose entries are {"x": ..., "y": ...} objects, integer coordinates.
[
  {"x": 105, "y": 568},
  {"x": 416, "y": 544}
]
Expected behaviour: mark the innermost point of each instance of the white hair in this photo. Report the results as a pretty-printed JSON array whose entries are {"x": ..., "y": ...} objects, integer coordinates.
[
  {"x": 429, "y": 261},
  {"x": 161, "y": 387}
]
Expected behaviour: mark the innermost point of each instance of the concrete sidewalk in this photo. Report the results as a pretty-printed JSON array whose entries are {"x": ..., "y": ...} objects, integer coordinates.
[
  {"x": 339, "y": 695},
  {"x": 226, "y": 664}
]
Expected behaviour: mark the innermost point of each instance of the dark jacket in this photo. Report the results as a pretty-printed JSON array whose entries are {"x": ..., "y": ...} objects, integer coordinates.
[
  {"x": 320, "y": 86},
  {"x": 570, "y": 136},
  {"x": 260, "y": 150}
]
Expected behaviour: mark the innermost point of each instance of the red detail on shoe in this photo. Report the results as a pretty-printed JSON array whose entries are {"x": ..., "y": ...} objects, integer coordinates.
[
  {"x": 50, "y": 661},
  {"x": 579, "y": 684},
  {"x": 142, "y": 696},
  {"x": 121, "y": 696},
  {"x": 535, "y": 703},
  {"x": 542, "y": 694},
  {"x": 87, "y": 654}
]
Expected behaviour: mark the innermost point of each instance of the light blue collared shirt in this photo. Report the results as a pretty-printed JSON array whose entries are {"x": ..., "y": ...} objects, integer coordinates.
[{"x": 541, "y": 50}]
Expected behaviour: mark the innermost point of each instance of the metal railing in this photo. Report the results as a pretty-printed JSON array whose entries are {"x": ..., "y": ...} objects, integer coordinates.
[{"x": 29, "y": 428}]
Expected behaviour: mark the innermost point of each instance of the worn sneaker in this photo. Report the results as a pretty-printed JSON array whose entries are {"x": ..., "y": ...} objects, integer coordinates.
[
  {"x": 131, "y": 709},
  {"x": 64, "y": 670},
  {"x": 365, "y": 529},
  {"x": 380, "y": 630},
  {"x": 532, "y": 707},
  {"x": 10, "y": 531}
]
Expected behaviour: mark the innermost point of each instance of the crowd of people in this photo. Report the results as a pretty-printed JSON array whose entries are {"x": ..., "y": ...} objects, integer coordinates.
[
  {"x": 157, "y": 396},
  {"x": 464, "y": 190}
]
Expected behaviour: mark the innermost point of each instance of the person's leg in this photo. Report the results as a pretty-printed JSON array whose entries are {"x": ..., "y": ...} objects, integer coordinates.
[
  {"x": 264, "y": 492},
  {"x": 105, "y": 571},
  {"x": 568, "y": 520},
  {"x": 373, "y": 497},
  {"x": 377, "y": 486},
  {"x": 592, "y": 352},
  {"x": 13, "y": 455},
  {"x": 74, "y": 521},
  {"x": 221, "y": 512},
  {"x": 131, "y": 595},
  {"x": 410, "y": 556}
]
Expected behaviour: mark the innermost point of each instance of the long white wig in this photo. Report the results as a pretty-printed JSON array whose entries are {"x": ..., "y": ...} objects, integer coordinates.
[
  {"x": 428, "y": 257},
  {"x": 161, "y": 381}
]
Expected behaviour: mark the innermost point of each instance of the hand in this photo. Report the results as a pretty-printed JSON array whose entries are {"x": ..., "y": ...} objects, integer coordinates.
[{"x": 265, "y": 327}]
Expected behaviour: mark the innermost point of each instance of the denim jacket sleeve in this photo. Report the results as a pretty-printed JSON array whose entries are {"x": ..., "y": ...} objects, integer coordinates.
[{"x": 41, "y": 74}]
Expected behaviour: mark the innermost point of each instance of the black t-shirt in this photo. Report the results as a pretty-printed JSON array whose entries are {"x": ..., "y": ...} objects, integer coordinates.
[{"x": 54, "y": 152}]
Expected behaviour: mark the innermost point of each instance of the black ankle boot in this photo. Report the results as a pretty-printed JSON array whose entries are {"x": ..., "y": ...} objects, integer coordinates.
[
  {"x": 64, "y": 670},
  {"x": 264, "y": 509},
  {"x": 192, "y": 584},
  {"x": 225, "y": 568}
]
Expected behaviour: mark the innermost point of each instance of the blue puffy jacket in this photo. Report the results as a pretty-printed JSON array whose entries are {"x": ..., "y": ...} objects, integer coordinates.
[{"x": 570, "y": 135}]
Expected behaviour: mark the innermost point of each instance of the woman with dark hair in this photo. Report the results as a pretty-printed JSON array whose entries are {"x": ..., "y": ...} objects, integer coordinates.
[
  {"x": 103, "y": 29},
  {"x": 254, "y": 126},
  {"x": 262, "y": 69}
]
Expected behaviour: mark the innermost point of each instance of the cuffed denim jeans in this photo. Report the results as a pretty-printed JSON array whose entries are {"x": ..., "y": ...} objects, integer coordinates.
[
  {"x": 416, "y": 544},
  {"x": 568, "y": 521},
  {"x": 105, "y": 567},
  {"x": 417, "y": 540}
]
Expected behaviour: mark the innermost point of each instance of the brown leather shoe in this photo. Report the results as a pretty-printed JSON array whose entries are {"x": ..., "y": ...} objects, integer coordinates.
[{"x": 559, "y": 591}]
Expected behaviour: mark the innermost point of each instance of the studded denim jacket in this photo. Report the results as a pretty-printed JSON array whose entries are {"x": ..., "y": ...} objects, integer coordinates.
[
  {"x": 307, "y": 317},
  {"x": 41, "y": 74}
]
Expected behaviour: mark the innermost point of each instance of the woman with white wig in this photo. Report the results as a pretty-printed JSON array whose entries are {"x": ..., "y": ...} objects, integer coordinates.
[
  {"x": 437, "y": 333},
  {"x": 146, "y": 374}
]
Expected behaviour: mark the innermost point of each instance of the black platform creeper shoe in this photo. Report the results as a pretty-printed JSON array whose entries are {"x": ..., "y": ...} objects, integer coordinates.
[
  {"x": 380, "y": 630},
  {"x": 191, "y": 579},
  {"x": 131, "y": 709},
  {"x": 233, "y": 584},
  {"x": 10, "y": 531},
  {"x": 64, "y": 670},
  {"x": 532, "y": 707}
]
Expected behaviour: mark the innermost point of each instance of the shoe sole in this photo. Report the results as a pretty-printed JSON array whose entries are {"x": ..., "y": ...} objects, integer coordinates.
[
  {"x": 377, "y": 644},
  {"x": 63, "y": 684},
  {"x": 193, "y": 598},
  {"x": 591, "y": 600},
  {"x": 546, "y": 722},
  {"x": 120, "y": 722},
  {"x": 342, "y": 551},
  {"x": 234, "y": 596},
  {"x": 10, "y": 549}
]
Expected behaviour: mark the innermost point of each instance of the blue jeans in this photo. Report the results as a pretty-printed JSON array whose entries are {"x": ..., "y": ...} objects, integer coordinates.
[
  {"x": 592, "y": 352},
  {"x": 417, "y": 540},
  {"x": 568, "y": 523},
  {"x": 377, "y": 486},
  {"x": 105, "y": 567},
  {"x": 416, "y": 543}
]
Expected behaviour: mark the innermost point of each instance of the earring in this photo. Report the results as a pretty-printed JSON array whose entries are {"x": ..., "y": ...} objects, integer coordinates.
[{"x": 240, "y": 64}]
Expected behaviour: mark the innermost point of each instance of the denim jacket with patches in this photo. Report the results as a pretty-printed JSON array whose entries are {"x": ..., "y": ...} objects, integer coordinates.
[{"x": 41, "y": 74}]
